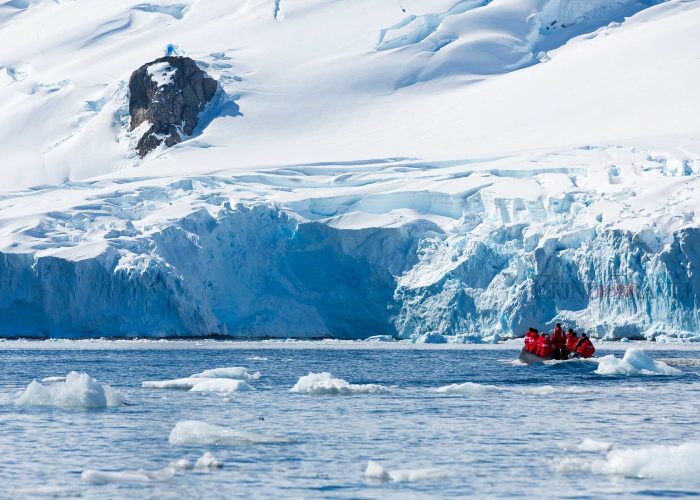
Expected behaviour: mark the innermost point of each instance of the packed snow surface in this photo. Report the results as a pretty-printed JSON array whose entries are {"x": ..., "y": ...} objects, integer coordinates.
[
  {"x": 635, "y": 362},
  {"x": 76, "y": 390},
  {"x": 197, "y": 433},
  {"x": 443, "y": 170},
  {"x": 325, "y": 383}
]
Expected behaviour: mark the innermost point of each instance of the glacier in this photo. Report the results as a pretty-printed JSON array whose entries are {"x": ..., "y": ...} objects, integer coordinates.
[{"x": 447, "y": 170}]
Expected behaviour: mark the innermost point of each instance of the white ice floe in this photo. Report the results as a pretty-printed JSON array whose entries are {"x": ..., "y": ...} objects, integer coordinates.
[
  {"x": 208, "y": 461},
  {"x": 223, "y": 385},
  {"x": 667, "y": 462},
  {"x": 376, "y": 472},
  {"x": 182, "y": 464},
  {"x": 225, "y": 380},
  {"x": 233, "y": 372},
  {"x": 195, "y": 432},
  {"x": 77, "y": 390},
  {"x": 589, "y": 445},
  {"x": 634, "y": 363},
  {"x": 468, "y": 388},
  {"x": 473, "y": 388},
  {"x": 140, "y": 476},
  {"x": 325, "y": 383}
]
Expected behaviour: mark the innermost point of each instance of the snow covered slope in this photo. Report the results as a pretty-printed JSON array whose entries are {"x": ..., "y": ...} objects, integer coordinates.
[{"x": 462, "y": 167}]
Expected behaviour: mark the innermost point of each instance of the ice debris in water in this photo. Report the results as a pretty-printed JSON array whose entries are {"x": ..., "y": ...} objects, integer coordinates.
[
  {"x": 667, "y": 462},
  {"x": 76, "y": 390},
  {"x": 589, "y": 445},
  {"x": 208, "y": 461},
  {"x": 325, "y": 383},
  {"x": 467, "y": 388},
  {"x": 226, "y": 380},
  {"x": 195, "y": 432},
  {"x": 139, "y": 476},
  {"x": 635, "y": 362},
  {"x": 376, "y": 472}
]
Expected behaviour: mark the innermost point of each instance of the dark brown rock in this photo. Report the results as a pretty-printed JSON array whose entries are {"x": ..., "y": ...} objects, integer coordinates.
[{"x": 169, "y": 93}]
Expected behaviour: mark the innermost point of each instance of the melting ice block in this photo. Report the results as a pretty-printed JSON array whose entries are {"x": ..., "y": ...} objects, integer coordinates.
[
  {"x": 634, "y": 363},
  {"x": 325, "y": 383},
  {"x": 225, "y": 380},
  {"x": 77, "y": 390}
]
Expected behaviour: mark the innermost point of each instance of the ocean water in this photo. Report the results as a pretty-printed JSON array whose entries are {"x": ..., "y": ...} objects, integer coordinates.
[{"x": 516, "y": 433}]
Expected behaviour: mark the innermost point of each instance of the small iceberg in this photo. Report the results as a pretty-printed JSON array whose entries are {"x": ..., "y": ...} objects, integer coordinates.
[
  {"x": 325, "y": 383},
  {"x": 666, "y": 462},
  {"x": 376, "y": 472},
  {"x": 634, "y": 363},
  {"x": 221, "y": 380},
  {"x": 197, "y": 433},
  {"x": 75, "y": 390}
]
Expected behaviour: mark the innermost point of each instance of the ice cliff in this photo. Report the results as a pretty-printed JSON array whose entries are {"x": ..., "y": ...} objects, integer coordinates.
[{"x": 457, "y": 168}]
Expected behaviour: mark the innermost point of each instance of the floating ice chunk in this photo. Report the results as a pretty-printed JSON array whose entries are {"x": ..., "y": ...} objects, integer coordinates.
[
  {"x": 681, "y": 462},
  {"x": 431, "y": 338},
  {"x": 182, "y": 464},
  {"x": 233, "y": 372},
  {"x": 178, "y": 383},
  {"x": 380, "y": 338},
  {"x": 78, "y": 390},
  {"x": 668, "y": 462},
  {"x": 208, "y": 461},
  {"x": 593, "y": 445},
  {"x": 53, "y": 380},
  {"x": 467, "y": 388},
  {"x": 376, "y": 472},
  {"x": 195, "y": 432},
  {"x": 223, "y": 385},
  {"x": 139, "y": 476},
  {"x": 228, "y": 379},
  {"x": 324, "y": 383},
  {"x": 635, "y": 362},
  {"x": 590, "y": 445}
]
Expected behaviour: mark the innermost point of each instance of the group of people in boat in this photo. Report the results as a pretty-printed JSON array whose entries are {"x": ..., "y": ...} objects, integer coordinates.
[{"x": 557, "y": 345}]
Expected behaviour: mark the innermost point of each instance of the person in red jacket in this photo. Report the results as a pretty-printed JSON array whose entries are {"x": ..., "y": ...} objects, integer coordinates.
[
  {"x": 545, "y": 347},
  {"x": 558, "y": 342},
  {"x": 571, "y": 341},
  {"x": 585, "y": 347},
  {"x": 534, "y": 338},
  {"x": 528, "y": 339}
]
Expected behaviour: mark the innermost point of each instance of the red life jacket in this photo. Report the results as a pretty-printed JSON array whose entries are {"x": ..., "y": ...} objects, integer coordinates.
[
  {"x": 558, "y": 339},
  {"x": 571, "y": 341},
  {"x": 531, "y": 341},
  {"x": 586, "y": 349},
  {"x": 545, "y": 347}
]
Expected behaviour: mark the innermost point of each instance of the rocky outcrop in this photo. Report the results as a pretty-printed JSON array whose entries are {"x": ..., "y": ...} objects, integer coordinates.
[{"x": 168, "y": 93}]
